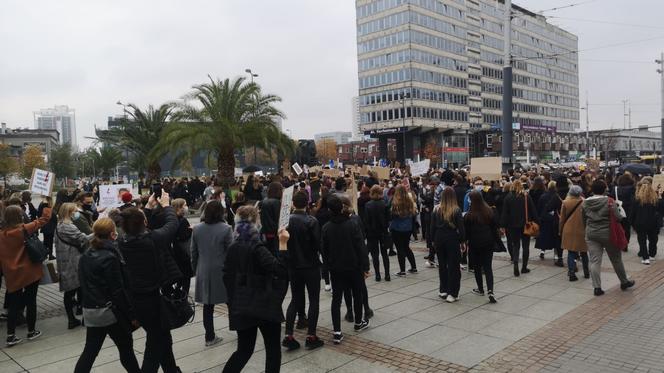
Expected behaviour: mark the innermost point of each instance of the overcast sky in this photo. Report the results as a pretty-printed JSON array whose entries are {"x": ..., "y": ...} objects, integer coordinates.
[{"x": 90, "y": 54}]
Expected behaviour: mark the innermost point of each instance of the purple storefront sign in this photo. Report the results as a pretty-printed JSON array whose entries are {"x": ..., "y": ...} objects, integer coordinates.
[{"x": 538, "y": 128}]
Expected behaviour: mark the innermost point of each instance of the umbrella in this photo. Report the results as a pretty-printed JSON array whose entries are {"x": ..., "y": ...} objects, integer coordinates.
[
  {"x": 250, "y": 169},
  {"x": 636, "y": 169}
]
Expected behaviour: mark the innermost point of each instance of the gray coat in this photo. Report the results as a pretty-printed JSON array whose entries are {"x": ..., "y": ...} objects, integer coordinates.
[
  {"x": 209, "y": 246},
  {"x": 596, "y": 219},
  {"x": 70, "y": 243}
]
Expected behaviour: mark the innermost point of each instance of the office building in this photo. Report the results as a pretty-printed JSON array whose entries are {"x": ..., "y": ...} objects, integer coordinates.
[
  {"x": 433, "y": 69},
  {"x": 339, "y": 137},
  {"x": 20, "y": 138},
  {"x": 61, "y": 118},
  {"x": 356, "y": 118}
]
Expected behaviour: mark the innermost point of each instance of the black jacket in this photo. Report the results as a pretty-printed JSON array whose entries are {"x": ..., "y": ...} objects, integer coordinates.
[
  {"x": 103, "y": 280},
  {"x": 342, "y": 245},
  {"x": 264, "y": 263},
  {"x": 377, "y": 218},
  {"x": 626, "y": 196},
  {"x": 304, "y": 242},
  {"x": 644, "y": 218},
  {"x": 270, "y": 209},
  {"x": 514, "y": 211},
  {"x": 482, "y": 236},
  {"x": 181, "y": 251},
  {"x": 49, "y": 228},
  {"x": 145, "y": 253},
  {"x": 442, "y": 230}
]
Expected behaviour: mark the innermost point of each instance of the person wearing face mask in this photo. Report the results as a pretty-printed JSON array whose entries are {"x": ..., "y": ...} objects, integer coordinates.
[
  {"x": 478, "y": 186},
  {"x": 103, "y": 283},
  {"x": 70, "y": 243},
  {"x": 85, "y": 216}
]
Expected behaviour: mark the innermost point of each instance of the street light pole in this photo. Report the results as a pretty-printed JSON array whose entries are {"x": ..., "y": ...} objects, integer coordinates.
[
  {"x": 251, "y": 74},
  {"x": 403, "y": 118},
  {"x": 660, "y": 62},
  {"x": 587, "y": 109},
  {"x": 506, "y": 146}
]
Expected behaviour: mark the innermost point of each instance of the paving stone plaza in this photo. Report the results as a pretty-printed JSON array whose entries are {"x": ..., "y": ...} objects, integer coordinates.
[{"x": 541, "y": 323}]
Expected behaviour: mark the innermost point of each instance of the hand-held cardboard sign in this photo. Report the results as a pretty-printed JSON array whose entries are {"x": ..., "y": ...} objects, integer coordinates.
[
  {"x": 297, "y": 168},
  {"x": 286, "y": 204},
  {"x": 42, "y": 182},
  {"x": 488, "y": 168}
]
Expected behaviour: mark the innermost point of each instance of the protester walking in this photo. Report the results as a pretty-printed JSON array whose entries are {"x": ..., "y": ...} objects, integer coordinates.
[
  {"x": 401, "y": 225},
  {"x": 144, "y": 253},
  {"x": 518, "y": 209},
  {"x": 106, "y": 306},
  {"x": 70, "y": 243},
  {"x": 598, "y": 210},
  {"x": 481, "y": 228},
  {"x": 252, "y": 309},
  {"x": 572, "y": 232},
  {"x": 21, "y": 275},
  {"x": 345, "y": 255},
  {"x": 376, "y": 224},
  {"x": 645, "y": 217},
  {"x": 303, "y": 272},
  {"x": 447, "y": 227},
  {"x": 181, "y": 247},
  {"x": 269, "y": 216}
]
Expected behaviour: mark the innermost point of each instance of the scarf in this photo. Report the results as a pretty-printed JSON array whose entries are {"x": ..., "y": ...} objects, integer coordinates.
[{"x": 245, "y": 231}]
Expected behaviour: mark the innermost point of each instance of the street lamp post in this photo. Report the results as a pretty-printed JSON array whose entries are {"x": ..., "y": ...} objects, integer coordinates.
[
  {"x": 251, "y": 74},
  {"x": 660, "y": 62},
  {"x": 587, "y": 109},
  {"x": 403, "y": 120}
]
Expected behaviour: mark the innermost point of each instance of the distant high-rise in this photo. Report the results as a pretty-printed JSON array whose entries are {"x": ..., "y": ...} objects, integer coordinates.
[
  {"x": 61, "y": 118},
  {"x": 356, "y": 117}
]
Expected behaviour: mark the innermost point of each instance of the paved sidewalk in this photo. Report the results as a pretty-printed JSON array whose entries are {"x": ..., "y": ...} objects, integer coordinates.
[{"x": 541, "y": 322}]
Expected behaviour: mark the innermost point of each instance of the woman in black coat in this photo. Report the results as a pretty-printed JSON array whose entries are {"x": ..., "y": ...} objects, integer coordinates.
[
  {"x": 549, "y": 217},
  {"x": 247, "y": 257},
  {"x": 513, "y": 219},
  {"x": 376, "y": 223}
]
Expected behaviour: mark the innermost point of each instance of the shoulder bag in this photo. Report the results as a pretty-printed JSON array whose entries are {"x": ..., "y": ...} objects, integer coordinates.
[
  {"x": 34, "y": 247},
  {"x": 616, "y": 230},
  {"x": 531, "y": 228},
  {"x": 571, "y": 213},
  {"x": 257, "y": 295}
]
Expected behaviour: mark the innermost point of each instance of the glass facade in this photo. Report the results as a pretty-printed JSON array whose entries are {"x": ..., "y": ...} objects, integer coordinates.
[{"x": 438, "y": 53}]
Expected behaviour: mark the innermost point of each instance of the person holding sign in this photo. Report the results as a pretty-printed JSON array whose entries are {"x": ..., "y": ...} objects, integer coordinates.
[{"x": 21, "y": 275}]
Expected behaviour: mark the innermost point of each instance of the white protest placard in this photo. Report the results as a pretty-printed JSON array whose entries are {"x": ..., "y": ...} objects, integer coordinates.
[
  {"x": 420, "y": 168},
  {"x": 488, "y": 168},
  {"x": 297, "y": 168},
  {"x": 111, "y": 195},
  {"x": 42, "y": 182},
  {"x": 658, "y": 183},
  {"x": 258, "y": 173},
  {"x": 382, "y": 173},
  {"x": 238, "y": 172},
  {"x": 286, "y": 203}
]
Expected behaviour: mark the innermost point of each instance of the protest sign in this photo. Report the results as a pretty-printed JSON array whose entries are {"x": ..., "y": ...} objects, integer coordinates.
[
  {"x": 297, "y": 168},
  {"x": 353, "y": 193},
  {"x": 286, "y": 203},
  {"x": 258, "y": 173},
  {"x": 331, "y": 172},
  {"x": 238, "y": 172},
  {"x": 658, "y": 183},
  {"x": 111, "y": 195},
  {"x": 41, "y": 182},
  {"x": 420, "y": 168},
  {"x": 593, "y": 164},
  {"x": 383, "y": 173},
  {"x": 488, "y": 168},
  {"x": 364, "y": 171}
]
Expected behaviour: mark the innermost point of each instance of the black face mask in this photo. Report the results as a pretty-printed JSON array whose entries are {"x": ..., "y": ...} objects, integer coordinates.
[{"x": 87, "y": 207}]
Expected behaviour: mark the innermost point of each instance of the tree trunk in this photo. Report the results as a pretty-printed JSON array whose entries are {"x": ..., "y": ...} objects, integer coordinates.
[
  {"x": 154, "y": 172},
  {"x": 225, "y": 167}
]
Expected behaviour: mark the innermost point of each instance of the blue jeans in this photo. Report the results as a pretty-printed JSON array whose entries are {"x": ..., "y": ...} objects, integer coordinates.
[{"x": 571, "y": 260}]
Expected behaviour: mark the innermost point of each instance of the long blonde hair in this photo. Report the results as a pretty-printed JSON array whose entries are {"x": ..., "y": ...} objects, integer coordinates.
[
  {"x": 66, "y": 212},
  {"x": 448, "y": 206},
  {"x": 402, "y": 204},
  {"x": 646, "y": 195}
]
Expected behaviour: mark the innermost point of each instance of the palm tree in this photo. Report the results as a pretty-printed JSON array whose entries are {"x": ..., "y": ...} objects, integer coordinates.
[
  {"x": 138, "y": 134},
  {"x": 226, "y": 116},
  {"x": 105, "y": 159}
]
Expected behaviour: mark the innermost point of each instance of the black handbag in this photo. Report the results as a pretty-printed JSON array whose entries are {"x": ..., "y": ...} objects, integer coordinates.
[
  {"x": 176, "y": 311},
  {"x": 34, "y": 247},
  {"x": 258, "y": 295}
]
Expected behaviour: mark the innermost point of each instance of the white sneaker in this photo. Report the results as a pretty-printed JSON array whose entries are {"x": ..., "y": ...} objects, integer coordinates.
[
  {"x": 451, "y": 299},
  {"x": 463, "y": 267},
  {"x": 429, "y": 264},
  {"x": 328, "y": 288},
  {"x": 645, "y": 261},
  {"x": 442, "y": 295}
]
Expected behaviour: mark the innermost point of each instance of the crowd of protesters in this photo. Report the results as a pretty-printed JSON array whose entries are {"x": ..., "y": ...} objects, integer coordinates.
[{"x": 114, "y": 266}]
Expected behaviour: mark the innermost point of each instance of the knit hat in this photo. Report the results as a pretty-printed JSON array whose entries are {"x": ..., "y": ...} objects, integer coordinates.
[{"x": 126, "y": 197}]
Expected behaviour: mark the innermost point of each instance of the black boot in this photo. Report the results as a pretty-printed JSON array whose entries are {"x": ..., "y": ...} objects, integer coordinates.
[
  {"x": 586, "y": 270},
  {"x": 559, "y": 262},
  {"x": 516, "y": 270},
  {"x": 572, "y": 276}
]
